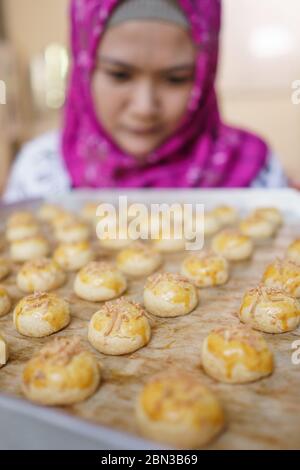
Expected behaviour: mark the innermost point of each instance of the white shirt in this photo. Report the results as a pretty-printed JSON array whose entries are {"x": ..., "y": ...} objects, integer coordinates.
[{"x": 39, "y": 171}]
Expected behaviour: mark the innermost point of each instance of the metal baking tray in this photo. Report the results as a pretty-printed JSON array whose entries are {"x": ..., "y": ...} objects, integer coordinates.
[{"x": 27, "y": 426}]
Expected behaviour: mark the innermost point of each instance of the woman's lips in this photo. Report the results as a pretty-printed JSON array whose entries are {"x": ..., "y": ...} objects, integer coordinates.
[{"x": 144, "y": 132}]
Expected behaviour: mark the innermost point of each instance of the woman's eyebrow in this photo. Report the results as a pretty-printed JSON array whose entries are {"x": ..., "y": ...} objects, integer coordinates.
[
  {"x": 175, "y": 68},
  {"x": 180, "y": 67},
  {"x": 117, "y": 62}
]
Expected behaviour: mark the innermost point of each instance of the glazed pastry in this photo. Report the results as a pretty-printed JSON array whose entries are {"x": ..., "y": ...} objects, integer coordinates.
[
  {"x": 159, "y": 227},
  {"x": 99, "y": 281},
  {"x": 170, "y": 295},
  {"x": 293, "y": 251},
  {"x": 4, "y": 268},
  {"x": 233, "y": 245},
  {"x": 150, "y": 224},
  {"x": 138, "y": 260},
  {"x": 212, "y": 224},
  {"x": 105, "y": 219},
  {"x": 176, "y": 409},
  {"x": 226, "y": 215},
  {"x": 118, "y": 242},
  {"x": 5, "y": 302},
  {"x": 236, "y": 355},
  {"x": 72, "y": 232},
  {"x": 283, "y": 275},
  {"x": 270, "y": 310},
  {"x": 41, "y": 314},
  {"x": 63, "y": 218},
  {"x": 119, "y": 327},
  {"x": 271, "y": 214},
  {"x": 29, "y": 248},
  {"x": 48, "y": 212},
  {"x": 19, "y": 218},
  {"x": 89, "y": 210},
  {"x": 154, "y": 222},
  {"x": 257, "y": 227},
  {"x": 21, "y": 225},
  {"x": 42, "y": 274},
  {"x": 73, "y": 256},
  {"x": 62, "y": 373},
  {"x": 4, "y": 353},
  {"x": 168, "y": 242},
  {"x": 205, "y": 269}
]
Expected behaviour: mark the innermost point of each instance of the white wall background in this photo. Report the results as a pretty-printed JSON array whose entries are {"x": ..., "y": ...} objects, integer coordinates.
[{"x": 260, "y": 60}]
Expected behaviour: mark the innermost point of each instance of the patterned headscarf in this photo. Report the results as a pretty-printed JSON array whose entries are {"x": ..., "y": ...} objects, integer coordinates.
[{"x": 203, "y": 152}]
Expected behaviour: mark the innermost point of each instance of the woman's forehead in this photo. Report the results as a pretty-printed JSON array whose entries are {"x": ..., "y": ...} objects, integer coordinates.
[{"x": 148, "y": 42}]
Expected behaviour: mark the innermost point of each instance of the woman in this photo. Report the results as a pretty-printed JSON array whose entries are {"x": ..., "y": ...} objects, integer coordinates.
[{"x": 141, "y": 109}]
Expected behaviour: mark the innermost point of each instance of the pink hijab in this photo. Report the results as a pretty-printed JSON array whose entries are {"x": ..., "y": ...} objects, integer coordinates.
[{"x": 203, "y": 152}]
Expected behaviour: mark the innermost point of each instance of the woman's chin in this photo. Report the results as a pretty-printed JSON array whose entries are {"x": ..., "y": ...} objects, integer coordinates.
[
  {"x": 139, "y": 150},
  {"x": 139, "y": 154}
]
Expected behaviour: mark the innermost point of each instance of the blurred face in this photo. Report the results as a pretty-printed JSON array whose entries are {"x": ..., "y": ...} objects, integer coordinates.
[{"x": 142, "y": 83}]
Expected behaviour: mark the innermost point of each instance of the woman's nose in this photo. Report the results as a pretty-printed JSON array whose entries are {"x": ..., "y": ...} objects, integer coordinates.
[{"x": 144, "y": 101}]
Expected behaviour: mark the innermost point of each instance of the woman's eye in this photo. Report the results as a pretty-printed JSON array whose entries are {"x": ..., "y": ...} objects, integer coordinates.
[
  {"x": 119, "y": 76},
  {"x": 179, "y": 80}
]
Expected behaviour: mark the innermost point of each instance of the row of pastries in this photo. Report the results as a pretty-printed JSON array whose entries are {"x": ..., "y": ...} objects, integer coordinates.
[{"x": 173, "y": 407}]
